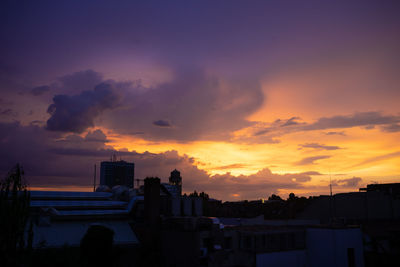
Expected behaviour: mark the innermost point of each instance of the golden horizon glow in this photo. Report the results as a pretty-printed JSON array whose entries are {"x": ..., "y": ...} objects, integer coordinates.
[{"x": 354, "y": 158}]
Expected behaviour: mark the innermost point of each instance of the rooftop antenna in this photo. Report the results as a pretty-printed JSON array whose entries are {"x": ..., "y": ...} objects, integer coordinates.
[
  {"x": 94, "y": 179},
  {"x": 330, "y": 182}
]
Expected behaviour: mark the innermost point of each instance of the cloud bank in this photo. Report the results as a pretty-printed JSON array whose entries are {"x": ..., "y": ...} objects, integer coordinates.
[
  {"x": 52, "y": 160},
  {"x": 76, "y": 113}
]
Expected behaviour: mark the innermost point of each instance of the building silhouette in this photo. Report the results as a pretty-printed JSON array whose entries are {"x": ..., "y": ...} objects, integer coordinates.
[
  {"x": 115, "y": 172},
  {"x": 176, "y": 180}
]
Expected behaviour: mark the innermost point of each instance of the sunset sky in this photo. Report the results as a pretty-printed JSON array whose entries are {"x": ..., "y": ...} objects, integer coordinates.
[{"x": 245, "y": 98}]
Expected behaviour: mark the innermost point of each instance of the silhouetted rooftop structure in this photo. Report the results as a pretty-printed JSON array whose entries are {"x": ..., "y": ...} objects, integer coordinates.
[
  {"x": 392, "y": 189},
  {"x": 176, "y": 180},
  {"x": 64, "y": 217},
  {"x": 114, "y": 173}
]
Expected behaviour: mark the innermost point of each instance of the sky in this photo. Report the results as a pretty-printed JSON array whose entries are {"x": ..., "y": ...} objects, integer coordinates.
[{"x": 245, "y": 98}]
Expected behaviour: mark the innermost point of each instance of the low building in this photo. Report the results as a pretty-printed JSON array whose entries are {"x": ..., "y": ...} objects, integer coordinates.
[
  {"x": 203, "y": 241},
  {"x": 62, "y": 218},
  {"x": 377, "y": 202}
]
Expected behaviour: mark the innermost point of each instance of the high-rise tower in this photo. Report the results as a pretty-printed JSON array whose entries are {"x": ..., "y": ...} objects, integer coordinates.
[{"x": 117, "y": 173}]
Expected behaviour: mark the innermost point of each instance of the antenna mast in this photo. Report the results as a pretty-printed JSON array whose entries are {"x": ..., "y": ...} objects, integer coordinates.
[{"x": 94, "y": 179}]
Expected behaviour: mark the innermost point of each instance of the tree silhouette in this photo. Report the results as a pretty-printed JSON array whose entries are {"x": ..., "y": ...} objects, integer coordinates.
[
  {"x": 275, "y": 197},
  {"x": 14, "y": 213}
]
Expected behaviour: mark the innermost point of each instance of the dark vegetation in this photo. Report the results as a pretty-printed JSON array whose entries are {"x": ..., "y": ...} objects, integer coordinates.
[{"x": 15, "y": 245}]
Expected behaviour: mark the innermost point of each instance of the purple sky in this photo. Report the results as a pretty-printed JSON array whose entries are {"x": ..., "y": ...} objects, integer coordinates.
[{"x": 189, "y": 80}]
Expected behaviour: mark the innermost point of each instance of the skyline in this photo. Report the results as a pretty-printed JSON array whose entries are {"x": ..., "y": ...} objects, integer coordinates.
[{"x": 246, "y": 100}]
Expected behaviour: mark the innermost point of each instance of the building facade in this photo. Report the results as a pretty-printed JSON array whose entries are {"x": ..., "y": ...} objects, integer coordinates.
[{"x": 114, "y": 173}]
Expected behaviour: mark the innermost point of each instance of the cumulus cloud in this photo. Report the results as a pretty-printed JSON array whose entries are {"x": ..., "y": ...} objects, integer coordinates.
[
  {"x": 96, "y": 136},
  {"x": 199, "y": 105},
  {"x": 79, "y": 81},
  {"x": 348, "y": 182},
  {"x": 194, "y": 105},
  {"x": 255, "y": 186},
  {"x": 311, "y": 160},
  {"x": 77, "y": 113},
  {"x": 318, "y": 146}
]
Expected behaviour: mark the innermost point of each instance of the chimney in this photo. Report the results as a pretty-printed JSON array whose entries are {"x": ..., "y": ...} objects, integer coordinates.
[{"x": 152, "y": 201}]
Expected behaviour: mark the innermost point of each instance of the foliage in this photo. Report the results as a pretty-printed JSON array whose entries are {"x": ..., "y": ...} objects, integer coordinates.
[
  {"x": 275, "y": 197},
  {"x": 14, "y": 212}
]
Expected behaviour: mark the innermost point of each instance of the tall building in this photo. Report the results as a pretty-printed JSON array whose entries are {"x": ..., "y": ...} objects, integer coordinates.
[
  {"x": 117, "y": 173},
  {"x": 176, "y": 180}
]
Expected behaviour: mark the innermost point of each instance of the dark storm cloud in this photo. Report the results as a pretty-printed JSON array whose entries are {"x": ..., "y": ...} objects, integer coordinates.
[
  {"x": 194, "y": 105},
  {"x": 80, "y": 81},
  {"x": 161, "y": 123},
  {"x": 40, "y": 90},
  {"x": 318, "y": 146},
  {"x": 77, "y": 113},
  {"x": 96, "y": 136},
  {"x": 311, "y": 160},
  {"x": 199, "y": 106}
]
